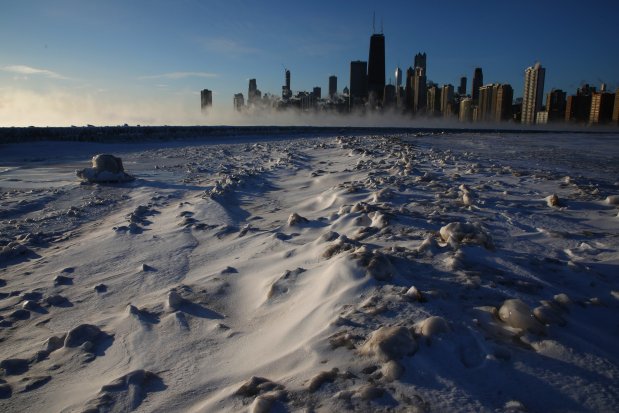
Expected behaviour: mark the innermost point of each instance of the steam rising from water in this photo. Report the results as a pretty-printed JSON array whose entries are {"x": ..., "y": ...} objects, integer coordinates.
[{"x": 19, "y": 107}]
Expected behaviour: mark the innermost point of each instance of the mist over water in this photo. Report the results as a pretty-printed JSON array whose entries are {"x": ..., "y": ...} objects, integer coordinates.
[{"x": 22, "y": 108}]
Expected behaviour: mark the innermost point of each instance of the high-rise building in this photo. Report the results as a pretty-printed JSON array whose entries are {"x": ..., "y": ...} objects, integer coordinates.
[
  {"x": 421, "y": 61},
  {"x": 601, "y": 107},
  {"x": 533, "y": 93},
  {"x": 398, "y": 86},
  {"x": 616, "y": 107},
  {"x": 389, "y": 97},
  {"x": 286, "y": 90},
  {"x": 419, "y": 90},
  {"x": 555, "y": 105},
  {"x": 398, "y": 77},
  {"x": 578, "y": 107},
  {"x": 317, "y": 92},
  {"x": 206, "y": 99},
  {"x": 478, "y": 81},
  {"x": 239, "y": 101},
  {"x": 447, "y": 97},
  {"x": 433, "y": 100},
  {"x": 358, "y": 81},
  {"x": 484, "y": 111},
  {"x": 504, "y": 99},
  {"x": 466, "y": 110},
  {"x": 376, "y": 67},
  {"x": 408, "y": 95},
  {"x": 462, "y": 87},
  {"x": 332, "y": 86},
  {"x": 252, "y": 93}
]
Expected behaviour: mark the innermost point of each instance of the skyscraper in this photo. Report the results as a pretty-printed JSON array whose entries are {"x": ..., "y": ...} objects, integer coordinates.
[
  {"x": 408, "y": 96},
  {"x": 421, "y": 61},
  {"x": 447, "y": 97},
  {"x": 466, "y": 110},
  {"x": 389, "y": 98},
  {"x": 358, "y": 81},
  {"x": 578, "y": 107},
  {"x": 433, "y": 100},
  {"x": 478, "y": 81},
  {"x": 376, "y": 67},
  {"x": 206, "y": 99},
  {"x": 252, "y": 92},
  {"x": 533, "y": 93},
  {"x": 419, "y": 90},
  {"x": 286, "y": 91},
  {"x": 239, "y": 101},
  {"x": 616, "y": 107},
  {"x": 503, "y": 106},
  {"x": 484, "y": 108},
  {"x": 462, "y": 87},
  {"x": 601, "y": 107},
  {"x": 317, "y": 92},
  {"x": 398, "y": 77},
  {"x": 332, "y": 86},
  {"x": 555, "y": 105}
]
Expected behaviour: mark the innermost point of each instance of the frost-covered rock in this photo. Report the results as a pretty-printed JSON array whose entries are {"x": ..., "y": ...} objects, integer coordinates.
[
  {"x": 295, "y": 219},
  {"x": 553, "y": 200},
  {"x": 105, "y": 168},
  {"x": 11, "y": 250},
  {"x": 612, "y": 199},
  {"x": 389, "y": 343},
  {"x": 517, "y": 314},
  {"x": 432, "y": 326},
  {"x": 466, "y": 233}
]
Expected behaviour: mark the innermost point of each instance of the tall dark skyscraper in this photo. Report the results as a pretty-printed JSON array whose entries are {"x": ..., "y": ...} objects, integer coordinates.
[
  {"x": 358, "y": 80},
  {"x": 206, "y": 99},
  {"x": 286, "y": 91},
  {"x": 478, "y": 81},
  {"x": 332, "y": 86},
  {"x": 462, "y": 87},
  {"x": 421, "y": 61},
  {"x": 555, "y": 105},
  {"x": 408, "y": 91},
  {"x": 252, "y": 92},
  {"x": 376, "y": 67}
]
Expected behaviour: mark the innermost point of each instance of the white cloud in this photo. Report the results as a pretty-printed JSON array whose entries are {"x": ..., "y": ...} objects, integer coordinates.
[
  {"x": 178, "y": 75},
  {"x": 27, "y": 70}
]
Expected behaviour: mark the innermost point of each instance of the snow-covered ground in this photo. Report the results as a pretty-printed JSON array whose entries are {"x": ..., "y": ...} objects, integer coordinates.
[{"x": 397, "y": 273}]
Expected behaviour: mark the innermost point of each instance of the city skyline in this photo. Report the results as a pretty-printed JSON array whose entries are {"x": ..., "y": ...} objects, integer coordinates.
[{"x": 104, "y": 60}]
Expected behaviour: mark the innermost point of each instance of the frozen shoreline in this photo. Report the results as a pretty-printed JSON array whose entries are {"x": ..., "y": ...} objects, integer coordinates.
[{"x": 209, "y": 279}]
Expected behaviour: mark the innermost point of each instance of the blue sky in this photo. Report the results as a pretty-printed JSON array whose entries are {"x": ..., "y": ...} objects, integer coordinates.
[{"x": 70, "y": 61}]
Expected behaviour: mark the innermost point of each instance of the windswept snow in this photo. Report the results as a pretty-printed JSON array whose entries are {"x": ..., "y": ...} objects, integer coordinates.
[{"x": 347, "y": 273}]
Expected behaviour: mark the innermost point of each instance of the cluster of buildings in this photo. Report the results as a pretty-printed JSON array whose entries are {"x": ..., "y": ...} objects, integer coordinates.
[{"x": 414, "y": 95}]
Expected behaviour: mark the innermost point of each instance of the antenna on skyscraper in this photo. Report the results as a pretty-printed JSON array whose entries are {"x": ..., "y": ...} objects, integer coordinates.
[
  {"x": 373, "y": 22},
  {"x": 381, "y": 25}
]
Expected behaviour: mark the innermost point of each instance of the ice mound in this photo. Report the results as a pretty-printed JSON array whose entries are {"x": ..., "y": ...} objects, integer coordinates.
[
  {"x": 296, "y": 219},
  {"x": 432, "y": 326},
  {"x": 105, "y": 168},
  {"x": 517, "y": 314},
  {"x": 457, "y": 233},
  {"x": 82, "y": 334},
  {"x": 257, "y": 385},
  {"x": 377, "y": 264},
  {"x": 612, "y": 199},
  {"x": 12, "y": 250},
  {"x": 553, "y": 200},
  {"x": 389, "y": 343},
  {"x": 126, "y": 393}
]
